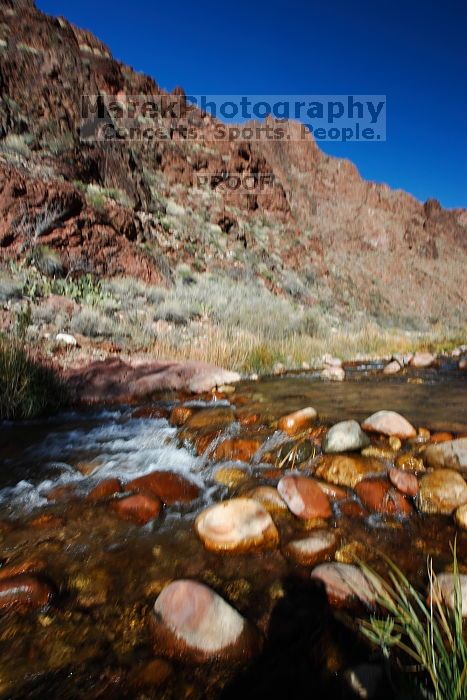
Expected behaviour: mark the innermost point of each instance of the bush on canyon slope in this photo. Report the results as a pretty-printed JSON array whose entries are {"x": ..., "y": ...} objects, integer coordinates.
[{"x": 28, "y": 388}]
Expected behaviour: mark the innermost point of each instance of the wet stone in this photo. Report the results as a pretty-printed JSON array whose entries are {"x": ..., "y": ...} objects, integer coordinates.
[
  {"x": 441, "y": 491},
  {"x": 304, "y": 497},
  {"x": 404, "y": 481},
  {"x": 317, "y": 547},
  {"x": 344, "y": 584},
  {"x": 106, "y": 489},
  {"x": 168, "y": 486},
  {"x": 297, "y": 422},
  {"x": 389, "y": 423},
  {"x": 24, "y": 592},
  {"x": 345, "y": 437},
  {"x": 379, "y": 496},
  {"x": 139, "y": 508},
  {"x": 346, "y": 470}
]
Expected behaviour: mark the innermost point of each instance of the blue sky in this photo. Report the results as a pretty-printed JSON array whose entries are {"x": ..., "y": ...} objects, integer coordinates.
[{"x": 413, "y": 51}]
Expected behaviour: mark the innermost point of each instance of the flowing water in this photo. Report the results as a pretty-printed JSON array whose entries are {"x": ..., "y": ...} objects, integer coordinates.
[{"x": 93, "y": 641}]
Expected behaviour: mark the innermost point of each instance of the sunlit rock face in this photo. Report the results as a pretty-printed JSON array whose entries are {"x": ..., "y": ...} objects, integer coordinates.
[
  {"x": 294, "y": 423},
  {"x": 236, "y": 526},
  {"x": 389, "y": 423},
  {"x": 191, "y": 622}
]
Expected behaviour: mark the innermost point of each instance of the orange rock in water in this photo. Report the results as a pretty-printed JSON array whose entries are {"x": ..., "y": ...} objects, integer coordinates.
[
  {"x": 296, "y": 422},
  {"x": 26, "y": 567},
  {"x": 168, "y": 486},
  {"x": 241, "y": 449},
  {"x": 24, "y": 592},
  {"x": 441, "y": 437},
  {"x": 139, "y": 508},
  {"x": 180, "y": 414},
  {"x": 106, "y": 488},
  {"x": 352, "y": 509},
  {"x": 377, "y": 495},
  {"x": 304, "y": 497}
]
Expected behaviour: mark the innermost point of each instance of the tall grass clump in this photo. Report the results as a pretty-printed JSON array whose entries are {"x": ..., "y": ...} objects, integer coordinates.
[
  {"x": 28, "y": 388},
  {"x": 423, "y": 638}
]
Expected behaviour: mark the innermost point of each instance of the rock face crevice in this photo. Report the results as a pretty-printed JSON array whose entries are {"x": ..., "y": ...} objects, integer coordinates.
[{"x": 319, "y": 222}]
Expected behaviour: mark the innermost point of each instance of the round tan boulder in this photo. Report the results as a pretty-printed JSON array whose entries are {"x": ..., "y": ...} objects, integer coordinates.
[
  {"x": 230, "y": 476},
  {"x": 269, "y": 497},
  {"x": 304, "y": 497},
  {"x": 441, "y": 491},
  {"x": 460, "y": 517},
  {"x": 236, "y": 525},
  {"x": 345, "y": 584},
  {"x": 192, "y": 623},
  {"x": 450, "y": 454},
  {"x": 389, "y": 423},
  {"x": 345, "y": 470},
  {"x": 317, "y": 547},
  {"x": 392, "y": 367},
  {"x": 405, "y": 482},
  {"x": 422, "y": 359},
  {"x": 296, "y": 422}
]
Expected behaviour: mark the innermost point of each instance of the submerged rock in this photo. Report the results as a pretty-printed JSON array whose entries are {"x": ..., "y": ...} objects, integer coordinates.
[
  {"x": 379, "y": 496},
  {"x": 236, "y": 525},
  {"x": 180, "y": 414},
  {"x": 269, "y": 497},
  {"x": 106, "y": 488},
  {"x": 296, "y": 422},
  {"x": 191, "y": 622},
  {"x": 407, "y": 462},
  {"x": 404, "y": 481},
  {"x": 447, "y": 455},
  {"x": 169, "y": 487},
  {"x": 230, "y": 476},
  {"x": 237, "y": 449},
  {"x": 345, "y": 437},
  {"x": 389, "y": 423},
  {"x": 345, "y": 584},
  {"x": 24, "y": 592},
  {"x": 304, "y": 497},
  {"x": 317, "y": 547},
  {"x": 441, "y": 491},
  {"x": 446, "y": 588},
  {"x": 346, "y": 470},
  {"x": 139, "y": 508}
]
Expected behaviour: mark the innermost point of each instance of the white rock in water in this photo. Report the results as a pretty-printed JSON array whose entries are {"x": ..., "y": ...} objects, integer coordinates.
[
  {"x": 236, "y": 525},
  {"x": 422, "y": 359},
  {"x": 312, "y": 549},
  {"x": 392, "y": 368},
  {"x": 345, "y": 436},
  {"x": 389, "y": 423},
  {"x": 192, "y": 622},
  {"x": 66, "y": 339},
  {"x": 344, "y": 584},
  {"x": 333, "y": 374},
  {"x": 451, "y": 454},
  {"x": 331, "y": 361}
]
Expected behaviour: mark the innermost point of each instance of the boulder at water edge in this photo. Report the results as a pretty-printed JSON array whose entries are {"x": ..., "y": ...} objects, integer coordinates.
[
  {"x": 304, "y": 497},
  {"x": 422, "y": 359},
  {"x": 389, "y": 423},
  {"x": 236, "y": 525},
  {"x": 317, "y": 547},
  {"x": 168, "y": 486},
  {"x": 333, "y": 374},
  {"x": 344, "y": 470},
  {"x": 446, "y": 583},
  {"x": 191, "y": 622},
  {"x": 294, "y": 423},
  {"x": 441, "y": 491},
  {"x": 450, "y": 454},
  {"x": 345, "y": 437},
  {"x": 345, "y": 584}
]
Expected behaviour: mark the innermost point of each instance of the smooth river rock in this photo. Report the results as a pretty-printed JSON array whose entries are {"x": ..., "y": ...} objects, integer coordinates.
[
  {"x": 389, "y": 423},
  {"x": 404, "y": 481},
  {"x": 317, "y": 547},
  {"x": 441, "y": 491},
  {"x": 237, "y": 525},
  {"x": 139, "y": 508},
  {"x": 380, "y": 497},
  {"x": 24, "y": 592},
  {"x": 269, "y": 497},
  {"x": 446, "y": 583},
  {"x": 192, "y": 623},
  {"x": 346, "y": 470},
  {"x": 345, "y": 437},
  {"x": 345, "y": 584},
  {"x": 296, "y": 422},
  {"x": 450, "y": 454},
  {"x": 304, "y": 497},
  {"x": 460, "y": 516},
  {"x": 168, "y": 486}
]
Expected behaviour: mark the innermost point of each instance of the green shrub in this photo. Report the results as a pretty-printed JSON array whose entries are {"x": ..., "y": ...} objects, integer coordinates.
[
  {"x": 28, "y": 388},
  {"x": 425, "y": 636}
]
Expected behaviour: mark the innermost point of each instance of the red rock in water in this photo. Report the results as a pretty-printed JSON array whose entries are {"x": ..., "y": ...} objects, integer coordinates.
[
  {"x": 441, "y": 437},
  {"x": 345, "y": 584},
  {"x": 106, "y": 488},
  {"x": 25, "y": 567},
  {"x": 378, "y": 495},
  {"x": 404, "y": 481},
  {"x": 150, "y": 412},
  {"x": 139, "y": 508},
  {"x": 168, "y": 486},
  {"x": 304, "y": 497},
  {"x": 24, "y": 592},
  {"x": 63, "y": 492},
  {"x": 180, "y": 414},
  {"x": 352, "y": 509},
  {"x": 191, "y": 622},
  {"x": 241, "y": 449},
  {"x": 47, "y": 520},
  {"x": 296, "y": 422}
]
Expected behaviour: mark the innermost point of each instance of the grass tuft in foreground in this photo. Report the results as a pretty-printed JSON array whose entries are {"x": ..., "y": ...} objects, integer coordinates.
[
  {"x": 28, "y": 388},
  {"x": 422, "y": 638}
]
